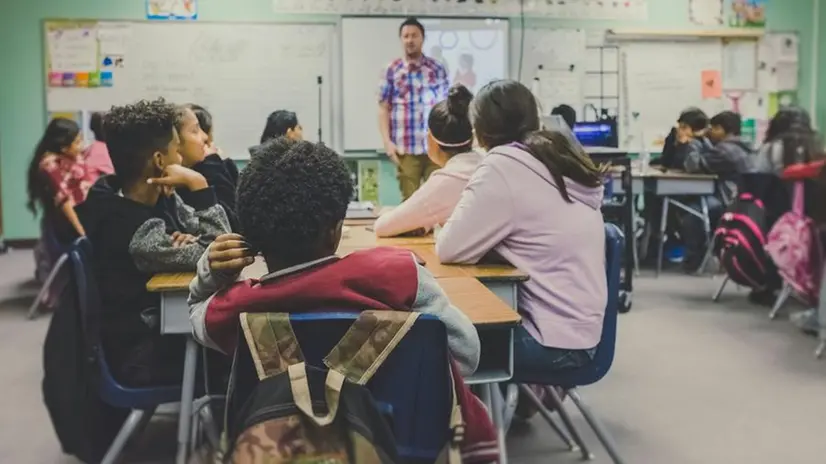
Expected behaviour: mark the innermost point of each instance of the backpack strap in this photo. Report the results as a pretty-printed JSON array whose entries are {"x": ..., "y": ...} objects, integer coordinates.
[
  {"x": 271, "y": 342},
  {"x": 798, "y": 197},
  {"x": 452, "y": 453},
  {"x": 368, "y": 343},
  {"x": 274, "y": 350}
]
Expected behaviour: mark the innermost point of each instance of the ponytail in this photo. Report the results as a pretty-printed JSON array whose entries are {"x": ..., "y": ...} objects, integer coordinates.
[{"x": 563, "y": 159}]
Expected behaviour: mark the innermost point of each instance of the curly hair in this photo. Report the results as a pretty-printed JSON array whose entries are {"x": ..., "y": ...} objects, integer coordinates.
[
  {"x": 290, "y": 196},
  {"x": 135, "y": 132}
]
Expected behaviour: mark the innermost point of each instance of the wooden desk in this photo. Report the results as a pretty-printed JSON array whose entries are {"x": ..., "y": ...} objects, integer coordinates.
[{"x": 493, "y": 317}]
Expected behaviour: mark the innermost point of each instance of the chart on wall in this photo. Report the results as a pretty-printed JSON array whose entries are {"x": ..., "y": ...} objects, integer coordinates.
[
  {"x": 240, "y": 74},
  {"x": 626, "y": 10}
]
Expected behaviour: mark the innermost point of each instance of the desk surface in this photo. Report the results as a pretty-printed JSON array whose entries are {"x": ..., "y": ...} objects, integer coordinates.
[
  {"x": 470, "y": 295},
  {"x": 654, "y": 173}
]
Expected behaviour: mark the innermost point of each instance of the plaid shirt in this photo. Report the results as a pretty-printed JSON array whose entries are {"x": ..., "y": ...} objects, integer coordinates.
[{"x": 412, "y": 89}]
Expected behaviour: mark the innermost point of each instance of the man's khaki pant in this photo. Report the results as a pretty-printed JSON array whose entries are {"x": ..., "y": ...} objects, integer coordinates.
[{"x": 412, "y": 171}]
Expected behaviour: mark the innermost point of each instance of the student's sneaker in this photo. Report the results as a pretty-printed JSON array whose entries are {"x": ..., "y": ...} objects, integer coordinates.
[{"x": 806, "y": 321}]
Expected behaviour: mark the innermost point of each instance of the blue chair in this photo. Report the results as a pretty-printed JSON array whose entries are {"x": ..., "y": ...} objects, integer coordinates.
[
  {"x": 412, "y": 386},
  {"x": 53, "y": 247},
  {"x": 141, "y": 401},
  {"x": 570, "y": 380}
]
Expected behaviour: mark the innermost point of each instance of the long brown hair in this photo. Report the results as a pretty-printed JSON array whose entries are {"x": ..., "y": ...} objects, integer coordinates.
[{"x": 505, "y": 112}]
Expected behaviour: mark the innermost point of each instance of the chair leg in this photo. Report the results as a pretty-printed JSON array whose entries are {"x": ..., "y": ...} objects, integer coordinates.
[
  {"x": 599, "y": 430},
  {"x": 123, "y": 436},
  {"x": 781, "y": 300},
  {"x": 525, "y": 390},
  {"x": 821, "y": 347},
  {"x": 569, "y": 424},
  {"x": 47, "y": 285},
  {"x": 716, "y": 297},
  {"x": 511, "y": 400},
  {"x": 707, "y": 257},
  {"x": 211, "y": 429}
]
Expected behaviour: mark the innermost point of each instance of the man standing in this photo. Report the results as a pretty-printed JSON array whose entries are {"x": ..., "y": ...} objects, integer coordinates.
[{"x": 410, "y": 86}]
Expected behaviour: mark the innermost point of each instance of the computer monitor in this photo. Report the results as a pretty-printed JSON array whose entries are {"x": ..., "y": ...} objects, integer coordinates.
[{"x": 597, "y": 133}]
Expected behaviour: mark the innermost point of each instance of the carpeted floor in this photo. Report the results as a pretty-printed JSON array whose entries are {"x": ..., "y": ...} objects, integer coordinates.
[{"x": 693, "y": 383}]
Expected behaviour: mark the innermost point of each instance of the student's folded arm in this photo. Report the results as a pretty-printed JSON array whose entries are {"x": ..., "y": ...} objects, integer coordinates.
[
  {"x": 153, "y": 251},
  {"x": 202, "y": 290},
  {"x": 462, "y": 338},
  {"x": 422, "y": 210},
  {"x": 481, "y": 220},
  {"x": 203, "y": 216}
]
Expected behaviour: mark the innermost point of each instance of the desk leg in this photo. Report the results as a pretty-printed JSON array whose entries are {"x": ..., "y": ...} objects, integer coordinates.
[
  {"x": 663, "y": 226},
  {"x": 492, "y": 397},
  {"x": 187, "y": 395},
  {"x": 706, "y": 218}
]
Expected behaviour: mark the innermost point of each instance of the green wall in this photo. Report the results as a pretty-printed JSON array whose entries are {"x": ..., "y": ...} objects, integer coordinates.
[{"x": 22, "y": 107}]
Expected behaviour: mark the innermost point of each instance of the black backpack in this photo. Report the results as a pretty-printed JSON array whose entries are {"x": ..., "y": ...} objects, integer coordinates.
[
  {"x": 740, "y": 241},
  {"x": 85, "y": 425}
]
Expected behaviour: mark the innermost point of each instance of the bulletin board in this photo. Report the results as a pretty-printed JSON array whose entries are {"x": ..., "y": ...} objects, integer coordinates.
[
  {"x": 660, "y": 78},
  {"x": 240, "y": 72}
]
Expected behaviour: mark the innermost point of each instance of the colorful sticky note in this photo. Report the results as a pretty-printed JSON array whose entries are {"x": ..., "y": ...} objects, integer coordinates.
[
  {"x": 106, "y": 79},
  {"x": 94, "y": 79},
  {"x": 82, "y": 79},
  {"x": 68, "y": 79},
  {"x": 56, "y": 79},
  {"x": 711, "y": 84}
]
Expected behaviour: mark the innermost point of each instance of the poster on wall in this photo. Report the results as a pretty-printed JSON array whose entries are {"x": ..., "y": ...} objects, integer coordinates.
[
  {"x": 747, "y": 13},
  {"x": 172, "y": 10}
]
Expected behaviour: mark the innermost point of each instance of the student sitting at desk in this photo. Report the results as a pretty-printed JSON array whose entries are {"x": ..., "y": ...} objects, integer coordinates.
[
  {"x": 450, "y": 145},
  {"x": 688, "y": 133},
  {"x": 138, "y": 227},
  {"x": 291, "y": 206},
  {"x": 96, "y": 155},
  {"x": 789, "y": 139},
  {"x": 725, "y": 154},
  {"x": 535, "y": 201},
  {"x": 201, "y": 155}
]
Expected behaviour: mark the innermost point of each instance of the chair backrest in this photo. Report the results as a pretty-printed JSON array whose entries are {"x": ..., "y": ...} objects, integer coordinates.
[
  {"x": 110, "y": 390},
  {"x": 412, "y": 386},
  {"x": 604, "y": 356}
]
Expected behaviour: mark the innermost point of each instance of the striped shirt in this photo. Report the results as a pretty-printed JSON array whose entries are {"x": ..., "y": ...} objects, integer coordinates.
[{"x": 411, "y": 89}]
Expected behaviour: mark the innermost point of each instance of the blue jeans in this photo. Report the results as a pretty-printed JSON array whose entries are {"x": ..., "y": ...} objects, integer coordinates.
[{"x": 536, "y": 363}]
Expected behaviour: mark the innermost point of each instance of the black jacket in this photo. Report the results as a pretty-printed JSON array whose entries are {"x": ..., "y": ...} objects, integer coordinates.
[
  {"x": 222, "y": 176},
  {"x": 131, "y": 242}
]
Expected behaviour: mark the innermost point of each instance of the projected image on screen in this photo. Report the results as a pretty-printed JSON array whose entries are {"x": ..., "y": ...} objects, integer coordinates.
[{"x": 473, "y": 52}]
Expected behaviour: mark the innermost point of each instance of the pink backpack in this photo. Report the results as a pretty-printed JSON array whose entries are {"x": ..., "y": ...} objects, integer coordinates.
[{"x": 794, "y": 246}]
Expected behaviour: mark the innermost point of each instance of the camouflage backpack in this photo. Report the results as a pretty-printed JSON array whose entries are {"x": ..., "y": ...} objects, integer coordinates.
[{"x": 301, "y": 414}]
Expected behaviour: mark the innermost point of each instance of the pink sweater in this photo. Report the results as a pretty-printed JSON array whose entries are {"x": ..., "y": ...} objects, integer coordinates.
[
  {"x": 512, "y": 205},
  {"x": 434, "y": 202},
  {"x": 97, "y": 159}
]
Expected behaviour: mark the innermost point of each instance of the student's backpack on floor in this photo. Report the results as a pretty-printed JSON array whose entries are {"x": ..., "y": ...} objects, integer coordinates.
[
  {"x": 794, "y": 246},
  {"x": 84, "y": 424},
  {"x": 299, "y": 413},
  {"x": 740, "y": 240}
]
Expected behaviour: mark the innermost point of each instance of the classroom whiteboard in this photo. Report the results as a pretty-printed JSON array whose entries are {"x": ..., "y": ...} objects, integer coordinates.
[
  {"x": 369, "y": 44},
  {"x": 240, "y": 72},
  {"x": 660, "y": 80}
]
